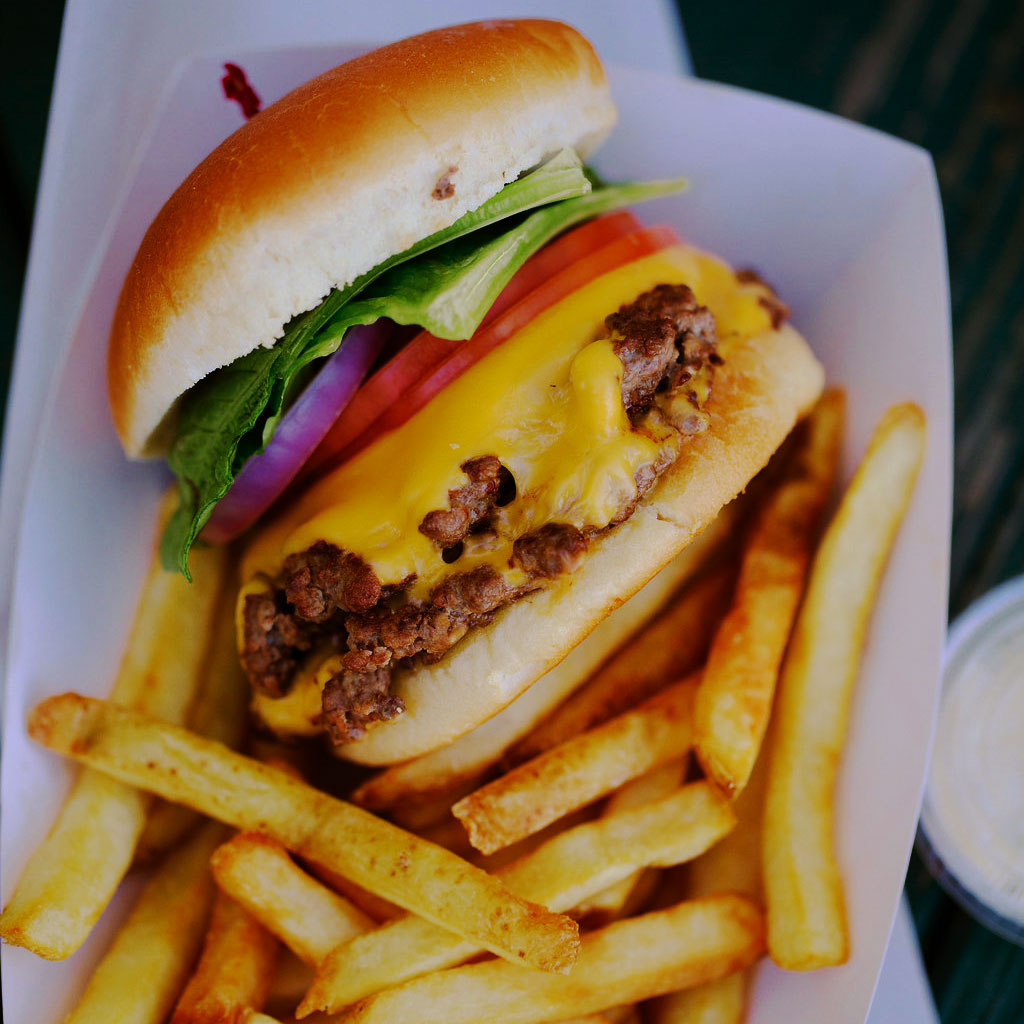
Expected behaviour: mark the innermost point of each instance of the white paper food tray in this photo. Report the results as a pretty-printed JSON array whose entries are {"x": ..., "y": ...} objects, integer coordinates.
[{"x": 844, "y": 222}]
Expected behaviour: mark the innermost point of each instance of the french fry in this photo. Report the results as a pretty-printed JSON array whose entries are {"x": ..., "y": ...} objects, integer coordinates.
[
  {"x": 735, "y": 696},
  {"x": 234, "y": 970},
  {"x": 731, "y": 865},
  {"x": 72, "y": 875},
  {"x": 734, "y": 864},
  {"x": 368, "y": 902},
  {"x": 220, "y": 712},
  {"x": 722, "y": 1001},
  {"x": 507, "y": 854},
  {"x": 145, "y": 968},
  {"x": 580, "y": 770},
  {"x": 647, "y": 788},
  {"x": 422, "y": 812},
  {"x": 609, "y": 903},
  {"x": 54, "y": 907},
  {"x": 670, "y": 646},
  {"x": 303, "y": 913},
  {"x": 166, "y": 825},
  {"x": 450, "y": 834},
  {"x": 631, "y": 960},
  {"x": 422, "y": 877},
  {"x": 469, "y": 757},
  {"x": 258, "y": 873},
  {"x": 558, "y": 874},
  {"x": 806, "y": 916}
]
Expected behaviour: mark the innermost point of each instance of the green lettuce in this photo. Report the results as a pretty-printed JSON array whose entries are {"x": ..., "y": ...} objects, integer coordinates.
[{"x": 444, "y": 284}]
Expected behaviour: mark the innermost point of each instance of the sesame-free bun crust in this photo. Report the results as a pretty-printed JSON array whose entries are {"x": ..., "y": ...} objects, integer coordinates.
[
  {"x": 767, "y": 383},
  {"x": 328, "y": 182}
]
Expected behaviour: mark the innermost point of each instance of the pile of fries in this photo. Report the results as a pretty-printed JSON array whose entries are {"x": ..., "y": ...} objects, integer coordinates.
[{"x": 629, "y": 858}]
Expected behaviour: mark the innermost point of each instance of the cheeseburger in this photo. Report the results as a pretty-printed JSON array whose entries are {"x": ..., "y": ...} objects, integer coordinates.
[{"x": 459, "y": 400}]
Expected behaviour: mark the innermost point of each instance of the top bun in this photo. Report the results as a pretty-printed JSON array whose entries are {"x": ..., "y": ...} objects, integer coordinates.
[{"x": 321, "y": 186}]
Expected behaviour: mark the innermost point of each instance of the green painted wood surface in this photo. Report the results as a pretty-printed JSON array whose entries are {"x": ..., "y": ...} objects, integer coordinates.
[{"x": 948, "y": 76}]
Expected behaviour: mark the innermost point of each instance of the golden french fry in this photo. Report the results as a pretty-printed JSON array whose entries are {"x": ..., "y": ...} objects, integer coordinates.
[
  {"x": 568, "y": 868},
  {"x": 145, "y": 968},
  {"x": 667, "y": 648},
  {"x": 637, "y": 897},
  {"x": 170, "y": 638},
  {"x": 255, "y": 1017},
  {"x": 580, "y": 770},
  {"x": 731, "y": 865},
  {"x": 604, "y": 906},
  {"x": 631, "y": 960},
  {"x": 258, "y": 872},
  {"x": 54, "y": 907},
  {"x": 71, "y": 877},
  {"x": 507, "y": 854},
  {"x": 469, "y": 757},
  {"x": 423, "y": 812},
  {"x": 220, "y": 712},
  {"x": 368, "y": 902},
  {"x": 735, "y": 696},
  {"x": 722, "y": 1001},
  {"x": 303, "y": 913},
  {"x": 647, "y": 788},
  {"x": 422, "y": 877},
  {"x": 450, "y": 834},
  {"x": 734, "y": 864},
  {"x": 806, "y": 916},
  {"x": 165, "y": 826},
  {"x": 234, "y": 970}
]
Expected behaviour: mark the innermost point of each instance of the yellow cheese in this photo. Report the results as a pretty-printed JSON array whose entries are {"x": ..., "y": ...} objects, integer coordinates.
[{"x": 547, "y": 403}]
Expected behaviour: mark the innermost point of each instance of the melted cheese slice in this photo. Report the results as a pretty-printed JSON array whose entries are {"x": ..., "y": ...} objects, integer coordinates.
[{"x": 547, "y": 403}]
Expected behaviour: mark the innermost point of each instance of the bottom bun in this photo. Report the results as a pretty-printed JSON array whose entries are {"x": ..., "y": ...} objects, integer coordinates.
[{"x": 767, "y": 383}]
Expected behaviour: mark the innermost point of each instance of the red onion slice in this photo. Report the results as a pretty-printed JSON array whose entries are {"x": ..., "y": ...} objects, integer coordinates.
[{"x": 265, "y": 476}]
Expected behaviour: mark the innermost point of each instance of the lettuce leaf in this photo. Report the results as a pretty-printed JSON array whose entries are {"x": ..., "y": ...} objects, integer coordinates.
[{"x": 445, "y": 284}]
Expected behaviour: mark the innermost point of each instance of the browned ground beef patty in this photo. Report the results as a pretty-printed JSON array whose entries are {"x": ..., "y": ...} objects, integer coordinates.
[
  {"x": 664, "y": 340},
  {"x": 468, "y": 505}
]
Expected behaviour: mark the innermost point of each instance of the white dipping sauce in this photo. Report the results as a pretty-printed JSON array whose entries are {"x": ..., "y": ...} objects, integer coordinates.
[{"x": 973, "y": 812}]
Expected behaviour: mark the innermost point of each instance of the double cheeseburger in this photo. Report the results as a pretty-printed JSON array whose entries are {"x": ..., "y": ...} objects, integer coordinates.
[{"x": 461, "y": 403}]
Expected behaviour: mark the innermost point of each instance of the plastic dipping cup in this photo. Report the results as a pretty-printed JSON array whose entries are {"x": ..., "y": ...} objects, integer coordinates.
[{"x": 972, "y": 821}]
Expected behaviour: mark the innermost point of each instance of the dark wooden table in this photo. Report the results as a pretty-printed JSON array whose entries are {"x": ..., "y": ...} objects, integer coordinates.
[{"x": 948, "y": 76}]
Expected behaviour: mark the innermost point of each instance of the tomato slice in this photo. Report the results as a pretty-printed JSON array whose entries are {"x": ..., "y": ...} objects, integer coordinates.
[
  {"x": 555, "y": 288},
  {"x": 425, "y": 351},
  {"x": 557, "y": 255}
]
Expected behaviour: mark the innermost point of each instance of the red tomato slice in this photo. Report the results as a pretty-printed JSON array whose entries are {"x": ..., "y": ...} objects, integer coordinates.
[
  {"x": 554, "y": 289},
  {"x": 425, "y": 351},
  {"x": 557, "y": 255}
]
